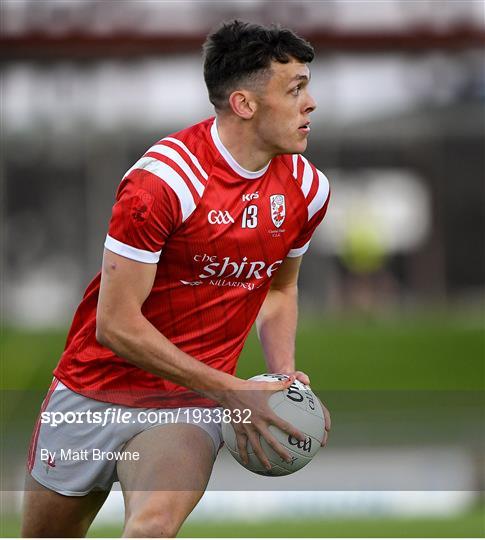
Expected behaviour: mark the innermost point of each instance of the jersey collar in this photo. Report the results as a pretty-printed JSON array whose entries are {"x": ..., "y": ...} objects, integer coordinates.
[{"x": 230, "y": 160}]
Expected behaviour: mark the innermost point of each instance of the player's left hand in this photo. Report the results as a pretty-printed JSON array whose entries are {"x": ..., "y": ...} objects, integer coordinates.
[
  {"x": 305, "y": 379},
  {"x": 328, "y": 423},
  {"x": 300, "y": 376}
]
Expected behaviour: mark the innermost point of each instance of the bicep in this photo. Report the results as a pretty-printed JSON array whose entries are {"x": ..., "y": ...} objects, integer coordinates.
[
  {"x": 125, "y": 285},
  {"x": 287, "y": 274}
]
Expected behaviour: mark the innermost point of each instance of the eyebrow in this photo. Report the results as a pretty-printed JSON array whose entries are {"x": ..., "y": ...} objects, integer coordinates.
[{"x": 301, "y": 78}]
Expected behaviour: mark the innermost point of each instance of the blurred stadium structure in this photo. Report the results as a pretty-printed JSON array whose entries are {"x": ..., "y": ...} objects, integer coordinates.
[{"x": 88, "y": 85}]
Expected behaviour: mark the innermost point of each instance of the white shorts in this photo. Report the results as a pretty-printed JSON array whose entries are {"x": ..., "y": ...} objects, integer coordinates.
[{"x": 77, "y": 440}]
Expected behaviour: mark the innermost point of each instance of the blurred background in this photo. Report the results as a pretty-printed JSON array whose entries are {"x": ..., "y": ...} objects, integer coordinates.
[{"x": 392, "y": 289}]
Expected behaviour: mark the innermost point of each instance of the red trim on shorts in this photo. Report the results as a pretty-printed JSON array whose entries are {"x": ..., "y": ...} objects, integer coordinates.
[{"x": 35, "y": 434}]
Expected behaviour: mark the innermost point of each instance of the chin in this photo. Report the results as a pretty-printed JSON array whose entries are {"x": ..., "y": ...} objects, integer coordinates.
[{"x": 299, "y": 147}]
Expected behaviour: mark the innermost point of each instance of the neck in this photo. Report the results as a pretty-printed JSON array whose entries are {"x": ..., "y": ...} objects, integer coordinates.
[{"x": 242, "y": 143}]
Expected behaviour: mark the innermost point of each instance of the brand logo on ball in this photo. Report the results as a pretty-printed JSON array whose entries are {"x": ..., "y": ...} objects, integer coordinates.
[
  {"x": 219, "y": 217},
  {"x": 298, "y": 395},
  {"x": 305, "y": 445},
  {"x": 278, "y": 209},
  {"x": 294, "y": 393}
]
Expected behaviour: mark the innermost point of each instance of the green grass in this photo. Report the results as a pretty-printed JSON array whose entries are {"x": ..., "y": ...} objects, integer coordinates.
[
  {"x": 357, "y": 363},
  {"x": 466, "y": 525},
  {"x": 470, "y": 525},
  {"x": 28, "y": 357},
  {"x": 385, "y": 382},
  {"x": 434, "y": 352},
  {"x": 426, "y": 369}
]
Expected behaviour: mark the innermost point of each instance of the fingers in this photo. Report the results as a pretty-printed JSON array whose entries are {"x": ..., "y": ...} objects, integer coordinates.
[
  {"x": 282, "y": 385},
  {"x": 253, "y": 436},
  {"x": 328, "y": 424},
  {"x": 276, "y": 446},
  {"x": 326, "y": 415},
  {"x": 286, "y": 427},
  {"x": 271, "y": 386},
  {"x": 258, "y": 450},
  {"x": 296, "y": 375},
  {"x": 302, "y": 377},
  {"x": 276, "y": 386},
  {"x": 242, "y": 446}
]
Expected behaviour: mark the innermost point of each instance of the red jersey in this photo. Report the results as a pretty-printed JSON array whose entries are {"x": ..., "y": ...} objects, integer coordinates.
[{"x": 218, "y": 233}]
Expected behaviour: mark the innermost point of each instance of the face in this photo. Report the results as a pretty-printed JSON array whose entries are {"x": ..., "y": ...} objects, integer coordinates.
[{"x": 283, "y": 107}]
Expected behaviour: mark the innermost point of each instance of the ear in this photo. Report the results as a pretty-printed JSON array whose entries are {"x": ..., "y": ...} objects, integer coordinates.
[{"x": 242, "y": 104}]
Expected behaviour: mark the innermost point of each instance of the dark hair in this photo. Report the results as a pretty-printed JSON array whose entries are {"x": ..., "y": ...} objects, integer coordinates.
[{"x": 237, "y": 51}]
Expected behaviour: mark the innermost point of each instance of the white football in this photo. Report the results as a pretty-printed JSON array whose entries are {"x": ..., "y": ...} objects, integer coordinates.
[{"x": 297, "y": 405}]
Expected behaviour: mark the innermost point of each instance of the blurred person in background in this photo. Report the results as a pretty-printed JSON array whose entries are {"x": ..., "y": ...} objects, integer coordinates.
[
  {"x": 367, "y": 283},
  {"x": 207, "y": 235}
]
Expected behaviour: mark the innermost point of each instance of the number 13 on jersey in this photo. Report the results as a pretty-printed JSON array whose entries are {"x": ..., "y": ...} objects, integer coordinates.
[{"x": 250, "y": 217}]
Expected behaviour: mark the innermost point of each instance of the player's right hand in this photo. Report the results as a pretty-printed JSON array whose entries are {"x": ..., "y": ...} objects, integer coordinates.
[{"x": 254, "y": 395}]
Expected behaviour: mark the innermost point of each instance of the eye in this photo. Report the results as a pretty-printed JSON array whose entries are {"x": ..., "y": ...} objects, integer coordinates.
[{"x": 296, "y": 90}]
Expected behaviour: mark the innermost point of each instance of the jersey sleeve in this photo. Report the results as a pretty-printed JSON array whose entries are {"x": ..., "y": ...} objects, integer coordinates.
[
  {"x": 144, "y": 215},
  {"x": 316, "y": 190}
]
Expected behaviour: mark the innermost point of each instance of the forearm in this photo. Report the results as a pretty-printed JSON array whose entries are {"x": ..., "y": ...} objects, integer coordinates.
[
  {"x": 276, "y": 326},
  {"x": 141, "y": 344}
]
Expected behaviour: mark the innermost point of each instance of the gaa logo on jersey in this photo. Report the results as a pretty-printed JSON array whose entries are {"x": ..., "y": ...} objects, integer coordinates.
[{"x": 278, "y": 209}]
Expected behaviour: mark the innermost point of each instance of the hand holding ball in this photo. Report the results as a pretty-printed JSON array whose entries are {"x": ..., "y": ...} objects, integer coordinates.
[{"x": 299, "y": 406}]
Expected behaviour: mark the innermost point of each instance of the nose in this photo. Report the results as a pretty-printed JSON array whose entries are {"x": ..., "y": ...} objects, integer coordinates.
[{"x": 310, "y": 105}]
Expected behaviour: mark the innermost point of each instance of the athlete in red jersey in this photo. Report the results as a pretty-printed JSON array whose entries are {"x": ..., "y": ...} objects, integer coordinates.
[
  {"x": 218, "y": 233},
  {"x": 206, "y": 236}
]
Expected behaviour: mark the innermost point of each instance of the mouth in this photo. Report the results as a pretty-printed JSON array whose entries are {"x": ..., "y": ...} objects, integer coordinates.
[{"x": 305, "y": 128}]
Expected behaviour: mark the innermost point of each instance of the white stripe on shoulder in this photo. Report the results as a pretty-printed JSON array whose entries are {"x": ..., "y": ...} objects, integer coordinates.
[
  {"x": 170, "y": 177},
  {"x": 295, "y": 165},
  {"x": 195, "y": 161},
  {"x": 321, "y": 195},
  {"x": 130, "y": 252},
  {"x": 298, "y": 252},
  {"x": 179, "y": 160},
  {"x": 138, "y": 165},
  {"x": 306, "y": 183}
]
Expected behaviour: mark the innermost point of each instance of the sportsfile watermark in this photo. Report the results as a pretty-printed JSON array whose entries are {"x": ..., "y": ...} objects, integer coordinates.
[
  {"x": 119, "y": 415},
  {"x": 398, "y": 440}
]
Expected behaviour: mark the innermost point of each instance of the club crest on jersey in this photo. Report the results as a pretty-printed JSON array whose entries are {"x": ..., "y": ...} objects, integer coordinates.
[
  {"x": 278, "y": 209},
  {"x": 141, "y": 207}
]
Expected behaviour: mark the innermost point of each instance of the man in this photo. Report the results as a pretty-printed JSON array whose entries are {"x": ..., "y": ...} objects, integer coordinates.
[{"x": 206, "y": 235}]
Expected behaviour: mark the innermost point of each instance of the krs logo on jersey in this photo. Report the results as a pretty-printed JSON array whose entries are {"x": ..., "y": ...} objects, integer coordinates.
[
  {"x": 278, "y": 209},
  {"x": 250, "y": 196}
]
